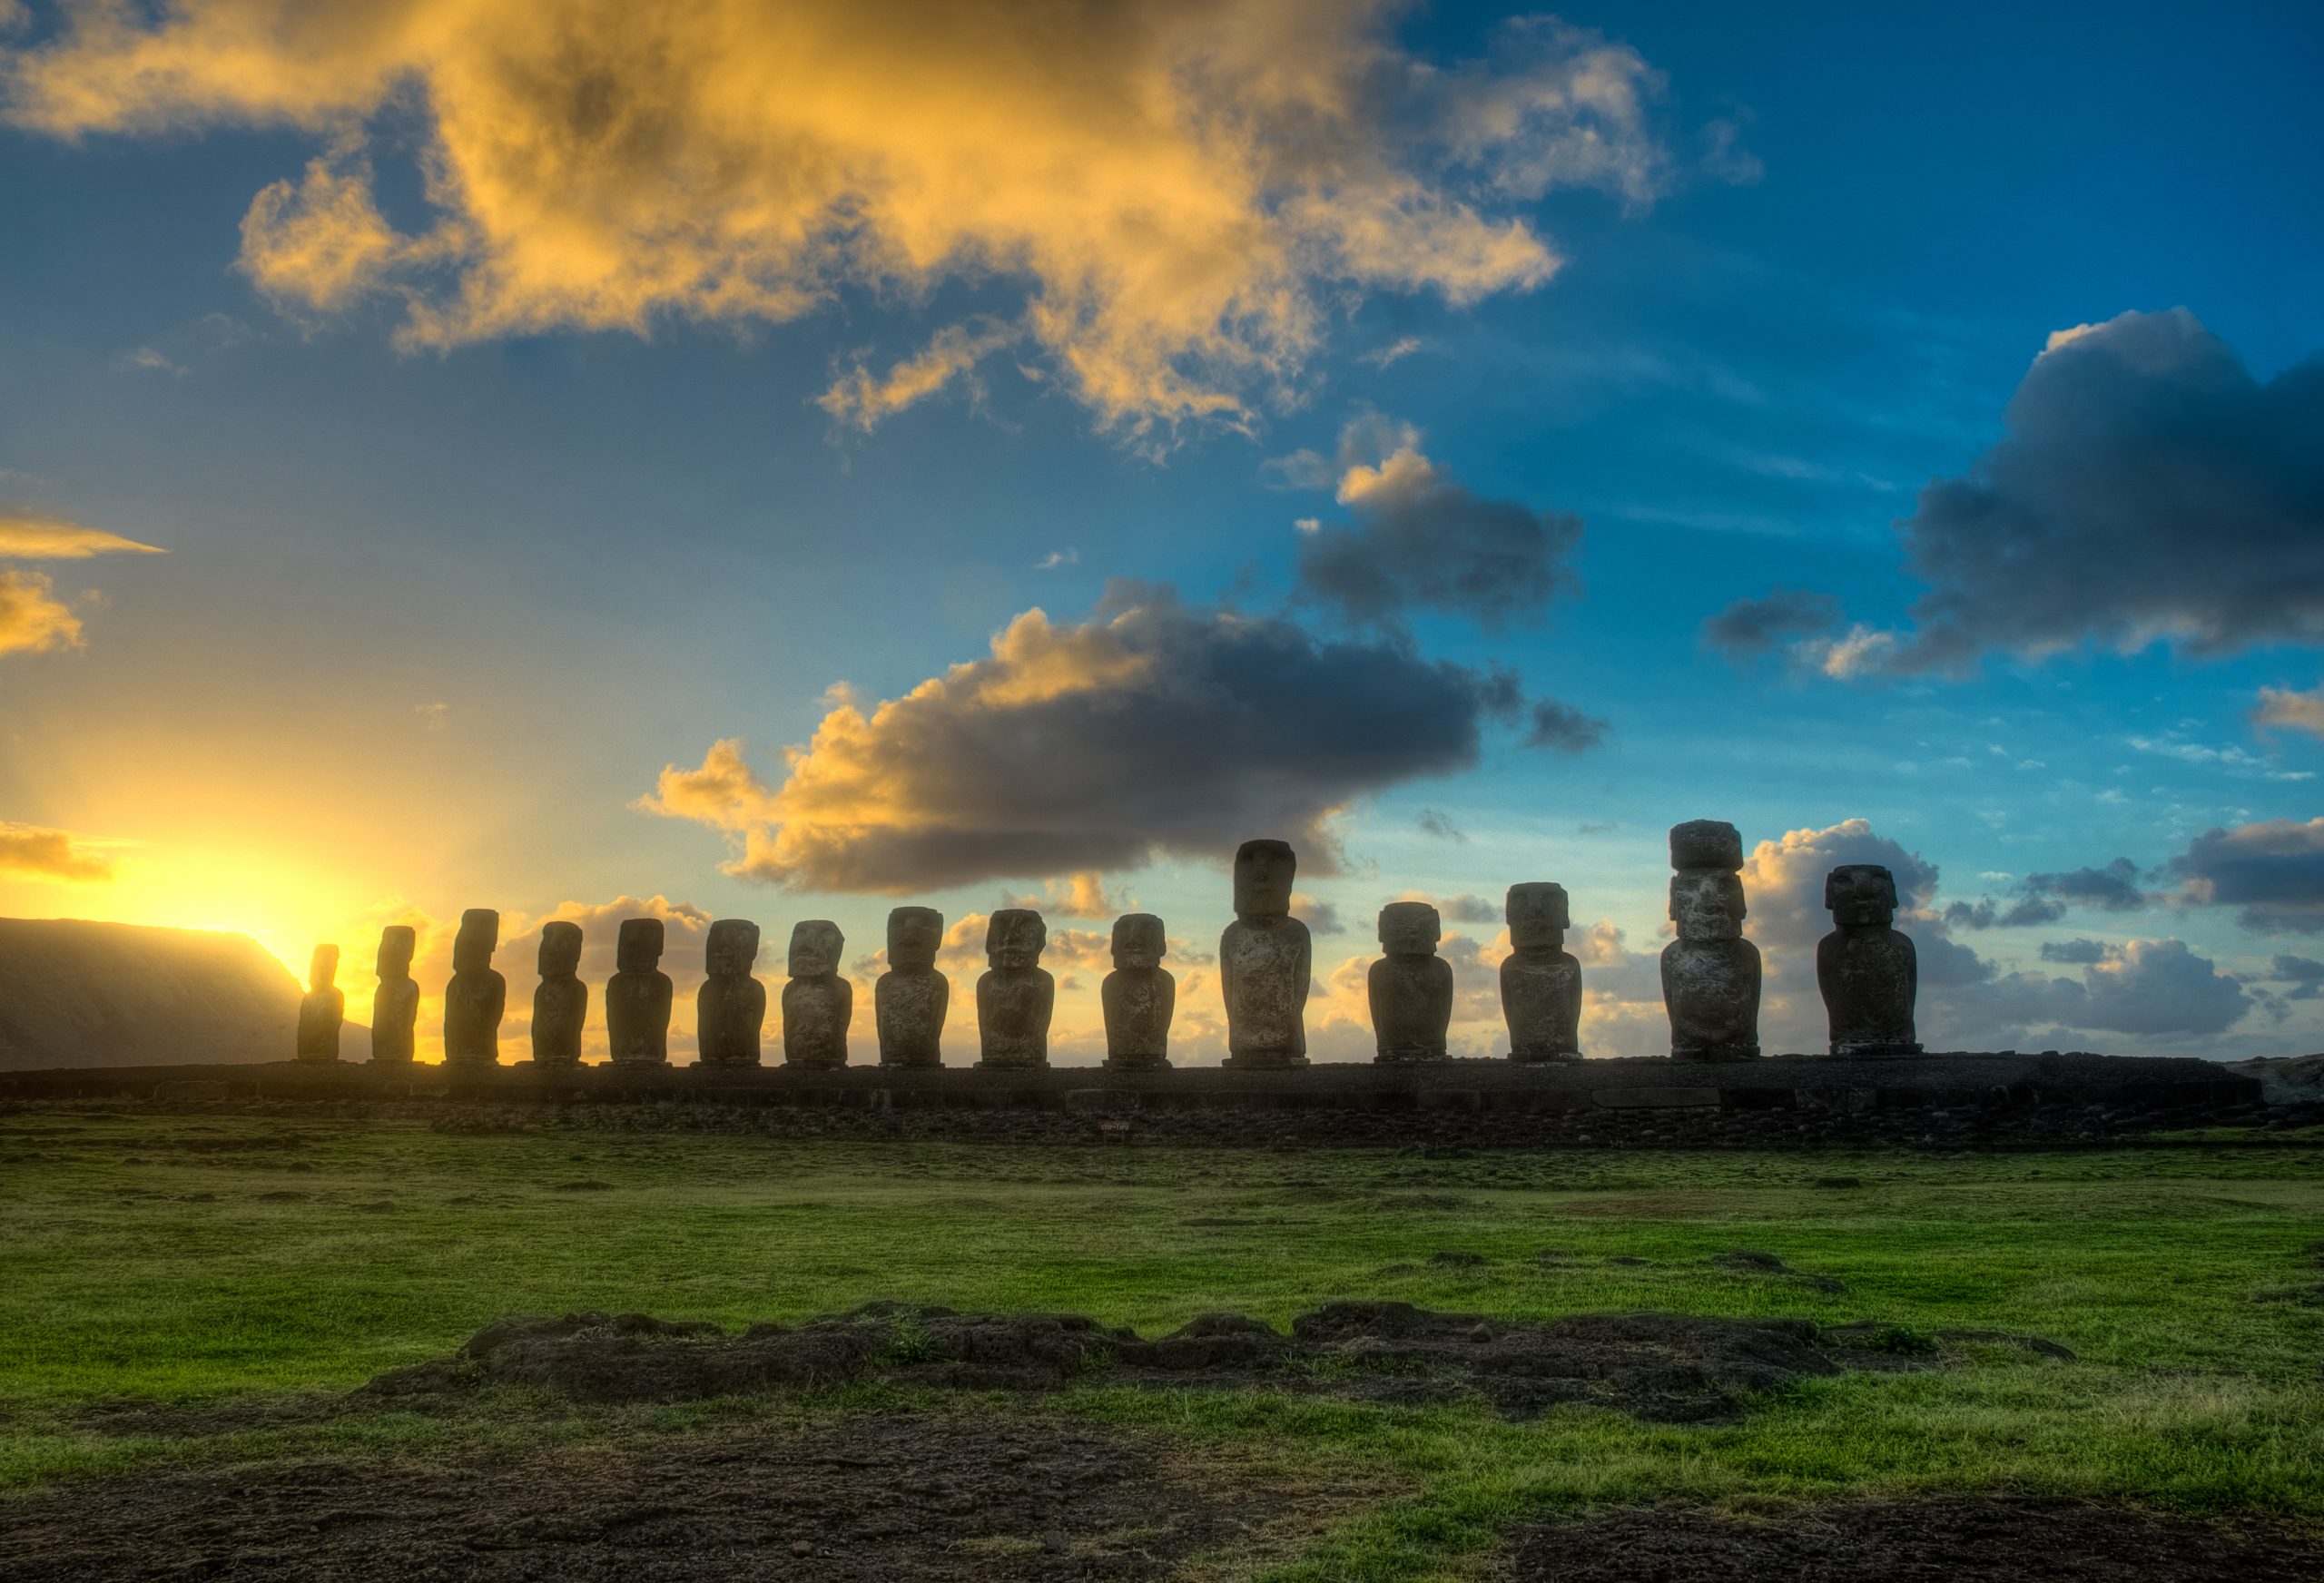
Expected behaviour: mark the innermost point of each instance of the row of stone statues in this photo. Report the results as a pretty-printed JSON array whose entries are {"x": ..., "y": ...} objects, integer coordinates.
[{"x": 1711, "y": 981}]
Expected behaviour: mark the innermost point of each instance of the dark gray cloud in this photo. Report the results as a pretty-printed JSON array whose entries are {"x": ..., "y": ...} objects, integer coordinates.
[
  {"x": 2146, "y": 988},
  {"x": 1319, "y": 915},
  {"x": 2080, "y": 952},
  {"x": 1562, "y": 729},
  {"x": 2045, "y": 897},
  {"x": 1435, "y": 821},
  {"x": 1752, "y": 627},
  {"x": 2273, "y": 869},
  {"x": 2304, "y": 974}
]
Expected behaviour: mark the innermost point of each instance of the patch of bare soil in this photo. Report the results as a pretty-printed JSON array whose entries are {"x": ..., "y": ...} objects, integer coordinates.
[
  {"x": 1913, "y": 1541},
  {"x": 893, "y": 1498}
]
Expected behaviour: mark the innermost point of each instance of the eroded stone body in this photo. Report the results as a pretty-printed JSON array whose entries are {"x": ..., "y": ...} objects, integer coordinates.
[
  {"x": 1541, "y": 981},
  {"x": 911, "y": 998},
  {"x": 1139, "y": 996},
  {"x": 395, "y": 1003},
  {"x": 478, "y": 996},
  {"x": 322, "y": 1010},
  {"x": 730, "y": 1009},
  {"x": 1866, "y": 968},
  {"x": 1710, "y": 973},
  {"x": 561, "y": 1003},
  {"x": 1015, "y": 997},
  {"x": 1265, "y": 962},
  {"x": 1411, "y": 986},
  {"x": 817, "y": 1004},
  {"x": 638, "y": 996}
]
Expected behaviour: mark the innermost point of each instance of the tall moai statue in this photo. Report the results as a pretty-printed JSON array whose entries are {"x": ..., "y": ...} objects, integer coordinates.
[
  {"x": 1411, "y": 986},
  {"x": 1139, "y": 997},
  {"x": 817, "y": 1004},
  {"x": 477, "y": 997},
  {"x": 1710, "y": 973},
  {"x": 1016, "y": 996},
  {"x": 638, "y": 996},
  {"x": 1866, "y": 968},
  {"x": 1541, "y": 982},
  {"x": 911, "y": 997},
  {"x": 731, "y": 1006},
  {"x": 1265, "y": 962},
  {"x": 561, "y": 1004},
  {"x": 321, "y": 1009},
  {"x": 395, "y": 1003}
]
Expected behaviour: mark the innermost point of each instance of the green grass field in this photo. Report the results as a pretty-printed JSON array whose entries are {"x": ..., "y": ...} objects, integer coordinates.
[{"x": 231, "y": 1261}]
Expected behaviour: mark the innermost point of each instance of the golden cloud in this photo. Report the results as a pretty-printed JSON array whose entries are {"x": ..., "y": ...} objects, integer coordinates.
[
  {"x": 50, "y": 855},
  {"x": 32, "y": 618},
  {"x": 50, "y": 538}
]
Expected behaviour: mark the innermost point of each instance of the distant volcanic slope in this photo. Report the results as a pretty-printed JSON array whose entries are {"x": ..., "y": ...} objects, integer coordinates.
[{"x": 76, "y": 994}]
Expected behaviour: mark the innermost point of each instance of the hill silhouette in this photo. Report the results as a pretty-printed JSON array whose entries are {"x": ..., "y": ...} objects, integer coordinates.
[{"x": 80, "y": 994}]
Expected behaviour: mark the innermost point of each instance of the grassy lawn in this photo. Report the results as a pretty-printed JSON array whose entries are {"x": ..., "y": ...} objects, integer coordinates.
[{"x": 212, "y": 1261}]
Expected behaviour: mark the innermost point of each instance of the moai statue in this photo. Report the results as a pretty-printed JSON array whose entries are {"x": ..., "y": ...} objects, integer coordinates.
[
  {"x": 1266, "y": 962},
  {"x": 1139, "y": 997},
  {"x": 1710, "y": 973},
  {"x": 1014, "y": 999},
  {"x": 637, "y": 997},
  {"x": 561, "y": 1004},
  {"x": 911, "y": 998},
  {"x": 1866, "y": 968},
  {"x": 1411, "y": 986},
  {"x": 395, "y": 1003},
  {"x": 322, "y": 1008},
  {"x": 1541, "y": 982},
  {"x": 477, "y": 995},
  {"x": 817, "y": 1004},
  {"x": 730, "y": 1008}
]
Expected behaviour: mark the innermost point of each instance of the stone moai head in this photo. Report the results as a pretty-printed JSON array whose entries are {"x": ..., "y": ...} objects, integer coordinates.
[
  {"x": 638, "y": 949},
  {"x": 1262, "y": 875},
  {"x": 1538, "y": 916},
  {"x": 560, "y": 949},
  {"x": 1707, "y": 904},
  {"x": 1861, "y": 895},
  {"x": 1707, "y": 843},
  {"x": 479, "y": 938},
  {"x": 732, "y": 949},
  {"x": 1138, "y": 941},
  {"x": 914, "y": 935},
  {"x": 815, "y": 947},
  {"x": 397, "y": 943},
  {"x": 322, "y": 969},
  {"x": 1410, "y": 929},
  {"x": 1014, "y": 938}
]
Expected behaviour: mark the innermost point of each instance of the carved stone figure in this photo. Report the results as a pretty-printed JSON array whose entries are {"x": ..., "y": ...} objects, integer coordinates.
[
  {"x": 561, "y": 1004},
  {"x": 1710, "y": 973},
  {"x": 1866, "y": 968},
  {"x": 911, "y": 997},
  {"x": 1139, "y": 997},
  {"x": 1015, "y": 998},
  {"x": 322, "y": 1008},
  {"x": 817, "y": 1004},
  {"x": 1541, "y": 982},
  {"x": 395, "y": 1003},
  {"x": 638, "y": 996},
  {"x": 1411, "y": 986},
  {"x": 1265, "y": 962},
  {"x": 477, "y": 997},
  {"x": 731, "y": 1006}
]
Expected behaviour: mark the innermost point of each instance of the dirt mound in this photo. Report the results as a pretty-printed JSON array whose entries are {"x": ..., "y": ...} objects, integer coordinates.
[{"x": 1915, "y": 1541}]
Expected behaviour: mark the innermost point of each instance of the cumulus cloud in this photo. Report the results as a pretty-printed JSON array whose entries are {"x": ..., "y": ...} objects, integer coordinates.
[
  {"x": 1183, "y": 190},
  {"x": 1562, "y": 729},
  {"x": 2045, "y": 897},
  {"x": 25, "y": 536},
  {"x": 31, "y": 617},
  {"x": 2288, "y": 709},
  {"x": 1080, "y": 895},
  {"x": 1319, "y": 915},
  {"x": 2081, "y": 952},
  {"x": 1750, "y": 628},
  {"x": 2273, "y": 869},
  {"x": 42, "y": 853}
]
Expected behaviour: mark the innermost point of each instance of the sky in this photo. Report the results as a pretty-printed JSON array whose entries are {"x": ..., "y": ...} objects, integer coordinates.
[{"x": 771, "y": 461}]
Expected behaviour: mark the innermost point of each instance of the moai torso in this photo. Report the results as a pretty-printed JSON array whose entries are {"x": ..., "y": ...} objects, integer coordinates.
[
  {"x": 1015, "y": 998},
  {"x": 638, "y": 997},
  {"x": 730, "y": 1009},
  {"x": 1411, "y": 986},
  {"x": 395, "y": 1003},
  {"x": 321, "y": 1009},
  {"x": 911, "y": 999},
  {"x": 1710, "y": 973},
  {"x": 1868, "y": 970},
  {"x": 477, "y": 997},
  {"x": 561, "y": 1004},
  {"x": 817, "y": 1004},
  {"x": 1265, "y": 962},
  {"x": 1541, "y": 981},
  {"x": 1139, "y": 997}
]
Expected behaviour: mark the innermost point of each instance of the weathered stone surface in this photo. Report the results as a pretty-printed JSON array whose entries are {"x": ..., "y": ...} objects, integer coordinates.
[
  {"x": 638, "y": 996},
  {"x": 1139, "y": 994},
  {"x": 561, "y": 1003},
  {"x": 395, "y": 1003},
  {"x": 1016, "y": 998},
  {"x": 322, "y": 1010},
  {"x": 1411, "y": 986},
  {"x": 817, "y": 1004},
  {"x": 477, "y": 997},
  {"x": 1710, "y": 973},
  {"x": 730, "y": 1009},
  {"x": 1866, "y": 968},
  {"x": 911, "y": 997},
  {"x": 1265, "y": 962},
  {"x": 1541, "y": 981}
]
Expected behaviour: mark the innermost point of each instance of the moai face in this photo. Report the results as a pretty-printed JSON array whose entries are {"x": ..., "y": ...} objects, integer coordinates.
[
  {"x": 1138, "y": 941},
  {"x": 914, "y": 934},
  {"x": 733, "y": 948},
  {"x": 815, "y": 947},
  {"x": 479, "y": 937},
  {"x": 1706, "y": 843},
  {"x": 1262, "y": 875},
  {"x": 1538, "y": 916},
  {"x": 1410, "y": 929},
  {"x": 1014, "y": 939},
  {"x": 1861, "y": 895},
  {"x": 638, "y": 947},
  {"x": 322, "y": 968},
  {"x": 560, "y": 949},
  {"x": 1706, "y": 905},
  {"x": 397, "y": 943}
]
